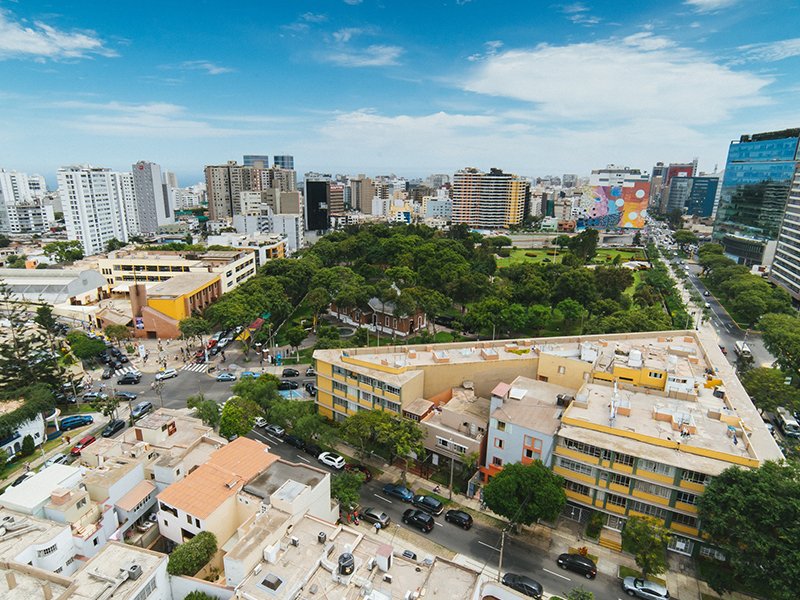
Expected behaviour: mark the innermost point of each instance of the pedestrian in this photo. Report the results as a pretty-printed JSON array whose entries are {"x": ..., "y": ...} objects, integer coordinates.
[{"x": 377, "y": 528}]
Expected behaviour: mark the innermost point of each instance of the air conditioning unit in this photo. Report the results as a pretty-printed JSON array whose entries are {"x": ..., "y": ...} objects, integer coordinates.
[
  {"x": 294, "y": 541},
  {"x": 134, "y": 571}
]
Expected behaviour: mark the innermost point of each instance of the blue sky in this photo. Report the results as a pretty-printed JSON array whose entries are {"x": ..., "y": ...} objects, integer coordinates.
[{"x": 379, "y": 86}]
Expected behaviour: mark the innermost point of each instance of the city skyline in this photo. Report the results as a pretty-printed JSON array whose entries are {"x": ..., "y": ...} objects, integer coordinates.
[{"x": 354, "y": 86}]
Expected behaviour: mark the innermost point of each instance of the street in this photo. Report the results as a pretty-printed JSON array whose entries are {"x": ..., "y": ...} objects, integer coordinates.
[{"x": 481, "y": 543}]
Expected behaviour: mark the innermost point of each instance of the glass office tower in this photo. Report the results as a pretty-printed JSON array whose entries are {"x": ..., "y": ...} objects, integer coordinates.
[{"x": 755, "y": 189}]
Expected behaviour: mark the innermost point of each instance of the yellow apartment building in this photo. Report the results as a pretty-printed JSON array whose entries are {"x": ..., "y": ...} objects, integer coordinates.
[{"x": 652, "y": 419}]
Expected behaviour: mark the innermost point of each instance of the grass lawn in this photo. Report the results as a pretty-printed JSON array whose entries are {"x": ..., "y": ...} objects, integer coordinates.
[
  {"x": 637, "y": 277},
  {"x": 301, "y": 312},
  {"x": 537, "y": 256}
]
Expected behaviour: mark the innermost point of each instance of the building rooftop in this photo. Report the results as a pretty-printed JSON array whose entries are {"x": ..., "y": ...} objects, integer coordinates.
[
  {"x": 202, "y": 491},
  {"x": 532, "y": 404},
  {"x": 267, "y": 482},
  {"x": 36, "y": 490},
  {"x": 24, "y": 582},
  {"x": 181, "y": 285},
  {"x": 27, "y": 530},
  {"x": 94, "y": 579}
]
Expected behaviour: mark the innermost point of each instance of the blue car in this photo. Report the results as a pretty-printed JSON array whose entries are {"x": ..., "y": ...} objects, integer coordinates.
[
  {"x": 398, "y": 491},
  {"x": 248, "y": 374},
  {"x": 226, "y": 377}
]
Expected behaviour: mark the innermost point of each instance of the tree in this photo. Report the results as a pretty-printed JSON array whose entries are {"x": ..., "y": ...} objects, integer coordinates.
[
  {"x": 753, "y": 517},
  {"x": 580, "y": 594},
  {"x": 538, "y": 317},
  {"x": 768, "y": 389},
  {"x": 28, "y": 447},
  {"x": 194, "y": 328},
  {"x": 63, "y": 252},
  {"x": 204, "y": 409},
  {"x": 584, "y": 245},
  {"x": 361, "y": 429},
  {"x": 404, "y": 439},
  {"x": 675, "y": 219},
  {"x": 238, "y": 417},
  {"x": 5, "y": 241},
  {"x": 198, "y": 595},
  {"x": 346, "y": 486},
  {"x": 613, "y": 281},
  {"x": 684, "y": 238},
  {"x": 578, "y": 284},
  {"x": 295, "y": 336},
  {"x": 116, "y": 333},
  {"x": 562, "y": 241},
  {"x": 16, "y": 261},
  {"x": 188, "y": 558},
  {"x": 571, "y": 310},
  {"x": 107, "y": 407},
  {"x": 749, "y": 307},
  {"x": 525, "y": 494},
  {"x": 317, "y": 300},
  {"x": 781, "y": 334},
  {"x": 84, "y": 347},
  {"x": 647, "y": 540},
  {"x": 114, "y": 244},
  {"x": 637, "y": 239}
]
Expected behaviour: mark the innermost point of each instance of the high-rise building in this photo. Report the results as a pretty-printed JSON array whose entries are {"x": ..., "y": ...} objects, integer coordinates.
[
  {"x": 152, "y": 199},
  {"x": 702, "y": 194},
  {"x": 362, "y": 191},
  {"x": 170, "y": 179},
  {"x": 755, "y": 190},
  {"x": 317, "y": 201},
  {"x": 493, "y": 200},
  {"x": 613, "y": 175},
  {"x": 260, "y": 161},
  {"x": 94, "y": 205},
  {"x": 223, "y": 184},
  {"x": 284, "y": 161},
  {"x": 786, "y": 266},
  {"x": 22, "y": 209},
  {"x": 677, "y": 194},
  {"x": 569, "y": 180},
  {"x": 437, "y": 180}
]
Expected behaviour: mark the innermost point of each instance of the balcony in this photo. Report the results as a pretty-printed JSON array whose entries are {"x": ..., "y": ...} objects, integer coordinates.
[
  {"x": 651, "y": 498},
  {"x": 572, "y": 475},
  {"x": 620, "y": 510},
  {"x": 690, "y": 508},
  {"x": 693, "y": 531},
  {"x": 583, "y": 498},
  {"x": 579, "y": 456}
]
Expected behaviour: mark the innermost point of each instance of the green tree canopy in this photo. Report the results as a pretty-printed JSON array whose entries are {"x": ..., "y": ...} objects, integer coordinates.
[
  {"x": 362, "y": 429},
  {"x": 295, "y": 336},
  {"x": 188, "y": 558},
  {"x": 194, "y": 328},
  {"x": 782, "y": 339},
  {"x": 204, "y": 409},
  {"x": 346, "y": 487},
  {"x": 84, "y": 347},
  {"x": 768, "y": 389},
  {"x": 114, "y": 244},
  {"x": 63, "y": 252},
  {"x": 404, "y": 439},
  {"x": 647, "y": 540},
  {"x": 238, "y": 416},
  {"x": 116, "y": 333},
  {"x": 753, "y": 516},
  {"x": 524, "y": 494},
  {"x": 584, "y": 245}
]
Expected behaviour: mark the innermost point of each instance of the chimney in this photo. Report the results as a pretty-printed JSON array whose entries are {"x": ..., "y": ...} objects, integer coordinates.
[{"x": 11, "y": 580}]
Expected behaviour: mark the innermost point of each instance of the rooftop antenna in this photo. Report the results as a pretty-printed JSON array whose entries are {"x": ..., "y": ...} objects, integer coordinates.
[{"x": 614, "y": 404}]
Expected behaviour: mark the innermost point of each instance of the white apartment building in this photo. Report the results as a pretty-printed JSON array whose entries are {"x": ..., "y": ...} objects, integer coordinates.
[
  {"x": 614, "y": 175},
  {"x": 493, "y": 200},
  {"x": 94, "y": 200},
  {"x": 786, "y": 264},
  {"x": 22, "y": 209},
  {"x": 188, "y": 197}
]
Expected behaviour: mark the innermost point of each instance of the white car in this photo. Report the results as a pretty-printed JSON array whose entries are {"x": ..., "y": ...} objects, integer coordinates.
[
  {"x": 223, "y": 343},
  {"x": 168, "y": 374},
  {"x": 260, "y": 422},
  {"x": 332, "y": 460}
]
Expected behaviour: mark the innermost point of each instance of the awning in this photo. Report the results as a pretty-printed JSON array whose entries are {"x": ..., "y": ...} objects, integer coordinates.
[{"x": 140, "y": 491}]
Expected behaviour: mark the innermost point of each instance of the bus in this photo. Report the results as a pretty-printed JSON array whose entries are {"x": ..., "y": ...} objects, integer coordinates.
[
  {"x": 742, "y": 349},
  {"x": 787, "y": 423}
]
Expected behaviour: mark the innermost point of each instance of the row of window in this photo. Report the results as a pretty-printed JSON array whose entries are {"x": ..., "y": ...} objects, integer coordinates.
[{"x": 337, "y": 370}]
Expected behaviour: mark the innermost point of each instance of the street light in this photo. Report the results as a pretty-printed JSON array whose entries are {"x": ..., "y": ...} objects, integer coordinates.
[{"x": 452, "y": 462}]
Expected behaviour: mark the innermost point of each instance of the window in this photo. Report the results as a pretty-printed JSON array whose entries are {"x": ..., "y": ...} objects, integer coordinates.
[
  {"x": 393, "y": 390},
  {"x": 575, "y": 466},
  {"x": 653, "y": 489},
  {"x": 497, "y": 461},
  {"x": 339, "y": 371},
  {"x": 623, "y": 459},
  {"x": 684, "y": 520},
  {"x": 619, "y": 479},
  {"x": 393, "y": 406},
  {"x": 562, "y": 370},
  {"x": 709, "y": 552},
  {"x": 501, "y": 426},
  {"x": 582, "y": 448},
  {"x": 616, "y": 500},
  {"x": 94, "y": 541},
  {"x": 148, "y": 589},
  {"x": 189, "y": 519},
  {"x": 339, "y": 387},
  {"x": 695, "y": 477},
  {"x": 46, "y": 551},
  {"x": 577, "y": 488},
  {"x": 687, "y": 498},
  {"x": 70, "y": 560},
  {"x": 648, "y": 509},
  {"x": 498, "y": 443},
  {"x": 654, "y": 375},
  {"x": 655, "y": 467},
  {"x": 81, "y": 503}
]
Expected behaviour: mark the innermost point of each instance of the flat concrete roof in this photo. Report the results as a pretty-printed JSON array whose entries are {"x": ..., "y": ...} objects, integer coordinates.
[
  {"x": 36, "y": 490},
  {"x": 107, "y": 564},
  {"x": 36, "y": 531},
  {"x": 269, "y": 481},
  {"x": 180, "y": 285},
  {"x": 532, "y": 404}
]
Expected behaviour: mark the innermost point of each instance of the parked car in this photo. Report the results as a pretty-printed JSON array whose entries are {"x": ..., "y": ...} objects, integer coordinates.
[
  {"x": 260, "y": 422},
  {"x": 94, "y": 396},
  {"x": 312, "y": 449},
  {"x": 141, "y": 409},
  {"x": 359, "y": 469},
  {"x": 285, "y": 384},
  {"x": 166, "y": 374},
  {"x": 310, "y": 372},
  {"x": 580, "y": 564},
  {"x": 641, "y": 588},
  {"x": 429, "y": 504},
  {"x": 126, "y": 396},
  {"x": 275, "y": 430},
  {"x": 460, "y": 518},
  {"x": 311, "y": 389},
  {"x": 248, "y": 375},
  {"x": 524, "y": 585},
  {"x": 57, "y": 459},
  {"x": 108, "y": 373},
  {"x": 123, "y": 359},
  {"x": 77, "y": 448},
  {"x": 115, "y": 364},
  {"x": 409, "y": 555},
  {"x": 226, "y": 376},
  {"x": 332, "y": 460},
  {"x": 398, "y": 491},
  {"x": 375, "y": 515},
  {"x": 419, "y": 519},
  {"x": 224, "y": 342},
  {"x": 74, "y": 422},
  {"x": 113, "y": 427},
  {"x": 130, "y": 378},
  {"x": 295, "y": 441},
  {"x": 290, "y": 373}
]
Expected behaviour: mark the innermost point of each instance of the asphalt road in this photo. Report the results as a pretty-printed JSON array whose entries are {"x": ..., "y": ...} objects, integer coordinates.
[{"x": 481, "y": 543}]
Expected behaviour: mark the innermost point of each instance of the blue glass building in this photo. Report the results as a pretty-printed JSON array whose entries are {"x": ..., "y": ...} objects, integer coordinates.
[
  {"x": 702, "y": 193},
  {"x": 755, "y": 189}
]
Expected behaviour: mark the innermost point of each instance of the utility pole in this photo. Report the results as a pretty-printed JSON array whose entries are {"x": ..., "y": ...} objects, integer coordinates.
[
  {"x": 500, "y": 564},
  {"x": 452, "y": 463}
]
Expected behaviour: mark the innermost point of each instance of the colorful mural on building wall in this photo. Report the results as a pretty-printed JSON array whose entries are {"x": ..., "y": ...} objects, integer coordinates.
[{"x": 612, "y": 207}]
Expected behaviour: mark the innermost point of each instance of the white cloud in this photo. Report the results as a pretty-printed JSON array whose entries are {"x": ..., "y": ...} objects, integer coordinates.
[
  {"x": 640, "y": 77},
  {"x": 345, "y": 34},
  {"x": 205, "y": 65},
  {"x": 313, "y": 17},
  {"x": 772, "y": 51},
  {"x": 353, "y": 2},
  {"x": 41, "y": 41},
  {"x": 371, "y": 56},
  {"x": 709, "y": 5},
  {"x": 492, "y": 46}
]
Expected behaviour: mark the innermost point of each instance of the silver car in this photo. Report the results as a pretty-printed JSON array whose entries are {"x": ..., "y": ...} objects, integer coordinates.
[
  {"x": 641, "y": 588},
  {"x": 375, "y": 515}
]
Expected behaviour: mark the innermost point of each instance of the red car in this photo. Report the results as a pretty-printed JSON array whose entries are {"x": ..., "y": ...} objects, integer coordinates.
[
  {"x": 76, "y": 450},
  {"x": 359, "y": 469}
]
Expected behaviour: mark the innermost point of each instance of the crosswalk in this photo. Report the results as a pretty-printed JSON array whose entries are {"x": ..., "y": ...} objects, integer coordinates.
[
  {"x": 123, "y": 370},
  {"x": 201, "y": 368}
]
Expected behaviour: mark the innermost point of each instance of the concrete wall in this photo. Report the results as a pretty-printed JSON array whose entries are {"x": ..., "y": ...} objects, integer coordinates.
[
  {"x": 182, "y": 585},
  {"x": 64, "y": 550}
]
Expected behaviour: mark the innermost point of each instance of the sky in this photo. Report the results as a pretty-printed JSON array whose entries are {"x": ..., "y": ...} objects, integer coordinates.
[{"x": 411, "y": 87}]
